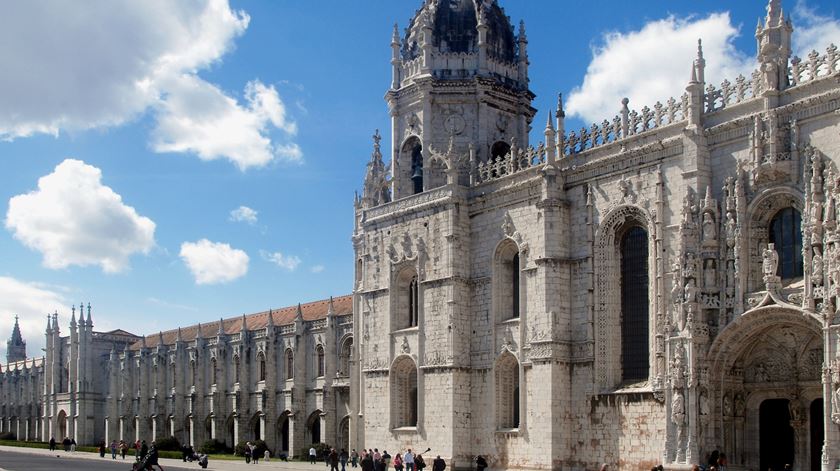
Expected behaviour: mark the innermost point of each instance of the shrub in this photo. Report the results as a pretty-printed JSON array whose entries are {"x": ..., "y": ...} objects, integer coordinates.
[
  {"x": 168, "y": 444},
  {"x": 8, "y": 436},
  {"x": 212, "y": 447},
  {"x": 259, "y": 450}
]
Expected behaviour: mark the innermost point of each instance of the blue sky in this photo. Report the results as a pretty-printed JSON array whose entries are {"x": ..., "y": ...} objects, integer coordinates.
[{"x": 150, "y": 124}]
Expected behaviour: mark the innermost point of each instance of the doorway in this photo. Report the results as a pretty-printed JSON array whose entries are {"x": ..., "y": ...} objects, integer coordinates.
[
  {"x": 776, "y": 435},
  {"x": 817, "y": 434}
]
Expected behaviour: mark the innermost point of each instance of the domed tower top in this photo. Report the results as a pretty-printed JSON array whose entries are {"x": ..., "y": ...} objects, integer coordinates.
[{"x": 459, "y": 39}]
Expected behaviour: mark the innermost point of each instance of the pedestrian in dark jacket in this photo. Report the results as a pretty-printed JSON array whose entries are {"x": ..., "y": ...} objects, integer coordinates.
[{"x": 438, "y": 464}]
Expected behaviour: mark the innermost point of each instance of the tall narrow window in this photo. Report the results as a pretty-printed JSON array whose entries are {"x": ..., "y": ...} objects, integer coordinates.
[
  {"x": 172, "y": 375},
  {"x": 417, "y": 168},
  {"x": 786, "y": 233},
  {"x": 634, "y": 305},
  {"x": 319, "y": 359},
  {"x": 514, "y": 281},
  {"x": 192, "y": 373},
  {"x": 262, "y": 367},
  {"x": 404, "y": 410},
  {"x": 290, "y": 364},
  {"x": 213, "y": 371},
  {"x": 235, "y": 369},
  {"x": 507, "y": 391},
  {"x": 413, "y": 303}
]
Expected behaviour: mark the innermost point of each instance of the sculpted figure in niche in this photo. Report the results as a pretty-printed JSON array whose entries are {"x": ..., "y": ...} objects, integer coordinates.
[
  {"x": 740, "y": 407},
  {"x": 678, "y": 408},
  {"x": 709, "y": 232},
  {"x": 690, "y": 291},
  {"x": 676, "y": 290},
  {"x": 727, "y": 406},
  {"x": 770, "y": 261},
  {"x": 710, "y": 274},
  {"x": 817, "y": 262},
  {"x": 704, "y": 403},
  {"x": 731, "y": 230},
  {"x": 690, "y": 266}
]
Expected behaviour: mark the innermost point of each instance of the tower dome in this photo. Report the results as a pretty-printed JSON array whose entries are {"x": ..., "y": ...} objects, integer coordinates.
[{"x": 456, "y": 29}]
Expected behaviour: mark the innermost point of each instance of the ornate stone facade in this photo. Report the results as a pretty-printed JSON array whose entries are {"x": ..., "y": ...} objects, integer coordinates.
[{"x": 526, "y": 346}]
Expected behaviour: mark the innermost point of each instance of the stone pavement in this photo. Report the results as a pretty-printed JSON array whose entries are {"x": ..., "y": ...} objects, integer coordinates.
[{"x": 222, "y": 465}]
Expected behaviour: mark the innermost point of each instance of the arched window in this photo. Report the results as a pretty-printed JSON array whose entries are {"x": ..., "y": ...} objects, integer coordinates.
[
  {"x": 413, "y": 302},
  {"x": 346, "y": 355},
  {"x": 634, "y": 305},
  {"x": 406, "y": 300},
  {"x": 417, "y": 168},
  {"x": 235, "y": 369},
  {"x": 404, "y": 393},
  {"x": 499, "y": 149},
  {"x": 290, "y": 364},
  {"x": 319, "y": 360},
  {"x": 213, "y": 372},
  {"x": 262, "y": 367},
  {"x": 507, "y": 391},
  {"x": 786, "y": 233},
  {"x": 506, "y": 281}
]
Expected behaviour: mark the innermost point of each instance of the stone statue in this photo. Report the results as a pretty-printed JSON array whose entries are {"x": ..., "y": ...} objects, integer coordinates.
[
  {"x": 704, "y": 403},
  {"x": 690, "y": 266},
  {"x": 676, "y": 290},
  {"x": 740, "y": 406},
  {"x": 770, "y": 263},
  {"x": 678, "y": 408},
  {"x": 709, "y": 274},
  {"x": 690, "y": 291},
  {"x": 817, "y": 263},
  {"x": 771, "y": 75},
  {"x": 727, "y": 406},
  {"x": 731, "y": 230},
  {"x": 709, "y": 231}
]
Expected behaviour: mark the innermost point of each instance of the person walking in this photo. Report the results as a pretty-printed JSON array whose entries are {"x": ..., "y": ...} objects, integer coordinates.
[
  {"x": 408, "y": 459},
  {"x": 255, "y": 457},
  {"x": 398, "y": 463},
  {"x": 113, "y": 449},
  {"x": 332, "y": 457},
  {"x": 354, "y": 458},
  {"x": 342, "y": 457},
  {"x": 123, "y": 448},
  {"x": 367, "y": 462},
  {"x": 313, "y": 455},
  {"x": 419, "y": 462},
  {"x": 52, "y": 443},
  {"x": 72, "y": 445},
  {"x": 247, "y": 452},
  {"x": 438, "y": 464},
  {"x": 480, "y": 463}
]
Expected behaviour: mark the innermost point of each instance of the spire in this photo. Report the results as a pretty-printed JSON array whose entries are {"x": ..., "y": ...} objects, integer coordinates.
[
  {"x": 56, "y": 329},
  {"x": 49, "y": 324},
  {"x": 270, "y": 318},
  {"x": 198, "y": 332},
  {"x": 73, "y": 317},
  {"x": 549, "y": 125},
  {"x": 395, "y": 38},
  {"x": 89, "y": 321},
  {"x": 330, "y": 308},
  {"x": 221, "y": 331},
  {"x": 178, "y": 337},
  {"x": 561, "y": 113},
  {"x": 693, "y": 78},
  {"x": 375, "y": 191},
  {"x": 299, "y": 313},
  {"x": 700, "y": 63},
  {"x": 160, "y": 339},
  {"x": 244, "y": 327},
  {"x": 774, "y": 13},
  {"x": 15, "y": 347}
]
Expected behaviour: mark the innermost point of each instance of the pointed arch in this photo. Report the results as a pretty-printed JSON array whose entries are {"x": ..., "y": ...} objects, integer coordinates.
[
  {"x": 405, "y": 297},
  {"x": 612, "y": 309},
  {"x": 404, "y": 392},
  {"x": 506, "y": 376},
  {"x": 507, "y": 283}
]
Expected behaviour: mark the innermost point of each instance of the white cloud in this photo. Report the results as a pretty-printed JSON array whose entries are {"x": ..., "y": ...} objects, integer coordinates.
[
  {"x": 67, "y": 68},
  {"x": 73, "y": 219},
  {"x": 244, "y": 214},
  {"x": 198, "y": 117},
  {"x": 287, "y": 262},
  {"x": 31, "y": 302},
  {"x": 317, "y": 269},
  {"x": 813, "y": 31},
  {"x": 214, "y": 262},
  {"x": 654, "y": 64}
]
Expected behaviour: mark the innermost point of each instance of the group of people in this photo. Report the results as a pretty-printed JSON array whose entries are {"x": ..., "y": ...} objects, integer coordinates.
[
  {"x": 373, "y": 460},
  {"x": 251, "y": 454},
  {"x": 68, "y": 443},
  {"x": 114, "y": 447}
]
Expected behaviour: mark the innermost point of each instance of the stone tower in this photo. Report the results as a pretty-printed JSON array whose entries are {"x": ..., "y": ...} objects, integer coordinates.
[
  {"x": 16, "y": 346},
  {"x": 460, "y": 79}
]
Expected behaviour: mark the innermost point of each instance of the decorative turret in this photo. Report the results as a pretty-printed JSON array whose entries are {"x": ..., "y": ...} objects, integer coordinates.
[
  {"x": 89, "y": 322},
  {"x": 16, "y": 347},
  {"x": 773, "y": 40},
  {"x": 376, "y": 189}
]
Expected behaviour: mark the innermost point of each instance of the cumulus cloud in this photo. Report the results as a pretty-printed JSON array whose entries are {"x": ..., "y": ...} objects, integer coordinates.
[
  {"x": 813, "y": 31},
  {"x": 244, "y": 214},
  {"x": 317, "y": 269},
  {"x": 68, "y": 68},
  {"x": 73, "y": 219},
  {"x": 214, "y": 262},
  {"x": 198, "y": 117},
  {"x": 31, "y": 302},
  {"x": 654, "y": 64},
  {"x": 287, "y": 262}
]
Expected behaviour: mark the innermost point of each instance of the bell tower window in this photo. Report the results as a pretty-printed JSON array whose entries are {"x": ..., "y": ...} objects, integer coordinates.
[
  {"x": 417, "y": 168},
  {"x": 786, "y": 233}
]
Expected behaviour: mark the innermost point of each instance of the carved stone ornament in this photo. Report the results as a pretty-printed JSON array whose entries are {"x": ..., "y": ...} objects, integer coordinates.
[{"x": 405, "y": 347}]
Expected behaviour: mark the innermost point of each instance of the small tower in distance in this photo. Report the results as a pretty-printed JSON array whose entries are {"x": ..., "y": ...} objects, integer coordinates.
[{"x": 15, "y": 347}]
